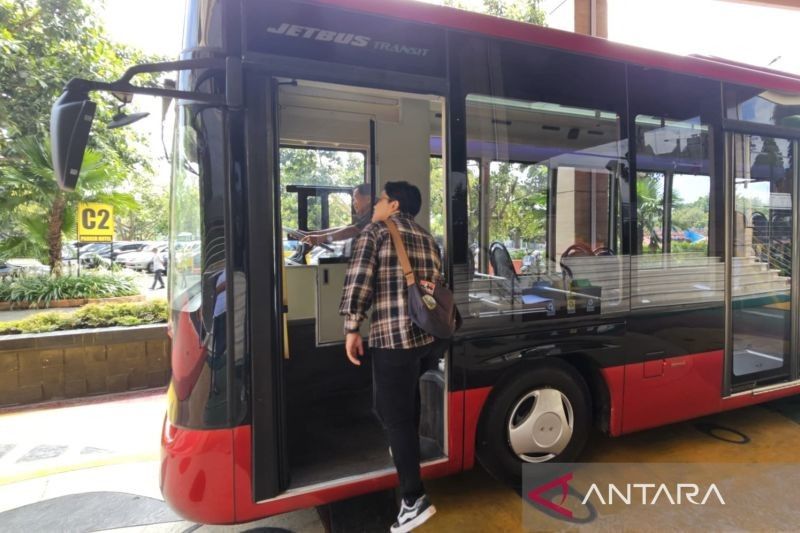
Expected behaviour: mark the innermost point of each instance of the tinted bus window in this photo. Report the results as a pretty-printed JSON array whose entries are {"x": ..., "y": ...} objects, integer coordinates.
[
  {"x": 197, "y": 284},
  {"x": 673, "y": 188},
  {"x": 763, "y": 107},
  {"x": 762, "y": 253},
  {"x": 548, "y": 225}
]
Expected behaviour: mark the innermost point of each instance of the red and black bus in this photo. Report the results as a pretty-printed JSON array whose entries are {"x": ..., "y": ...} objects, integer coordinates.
[{"x": 649, "y": 196}]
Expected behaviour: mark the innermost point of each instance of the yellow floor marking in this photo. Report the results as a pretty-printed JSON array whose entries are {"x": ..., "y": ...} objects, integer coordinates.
[{"x": 60, "y": 469}]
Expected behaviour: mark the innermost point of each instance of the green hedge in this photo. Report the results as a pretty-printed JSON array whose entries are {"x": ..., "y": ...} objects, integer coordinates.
[
  {"x": 90, "y": 316},
  {"x": 39, "y": 291}
]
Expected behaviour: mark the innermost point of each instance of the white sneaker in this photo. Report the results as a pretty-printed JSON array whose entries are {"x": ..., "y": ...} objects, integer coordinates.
[{"x": 412, "y": 516}]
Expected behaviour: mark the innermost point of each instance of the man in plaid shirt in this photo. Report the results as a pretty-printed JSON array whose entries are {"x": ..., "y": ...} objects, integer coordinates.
[{"x": 401, "y": 352}]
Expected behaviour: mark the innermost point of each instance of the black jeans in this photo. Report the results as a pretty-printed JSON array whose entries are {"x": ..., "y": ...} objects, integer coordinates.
[
  {"x": 395, "y": 383},
  {"x": 157, "y": 279}
]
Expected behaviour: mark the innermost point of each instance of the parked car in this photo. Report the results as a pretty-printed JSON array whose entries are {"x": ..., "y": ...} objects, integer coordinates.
[
  {"x": 22, "y": 265},
  {"x": 142, "y": 260},
  {"x": 107, "y": 251}
]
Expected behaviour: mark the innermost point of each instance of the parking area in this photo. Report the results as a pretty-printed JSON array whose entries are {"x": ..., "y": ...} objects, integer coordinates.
[{"x": 94, "y": 467}]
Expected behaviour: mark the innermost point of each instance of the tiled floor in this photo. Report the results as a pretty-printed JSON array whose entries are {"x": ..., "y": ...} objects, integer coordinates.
[{"x": 95, "y": 467}]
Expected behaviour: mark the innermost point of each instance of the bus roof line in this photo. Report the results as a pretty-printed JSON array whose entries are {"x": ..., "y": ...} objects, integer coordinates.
[{"x": 479, "y": 23}]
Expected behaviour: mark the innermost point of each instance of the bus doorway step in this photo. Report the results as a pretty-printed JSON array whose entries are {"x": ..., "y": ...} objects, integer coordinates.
[{"x": 368, "y": 513}]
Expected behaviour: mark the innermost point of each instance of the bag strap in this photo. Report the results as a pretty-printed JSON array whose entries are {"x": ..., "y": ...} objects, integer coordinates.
[{"x": 408, "y": 273}]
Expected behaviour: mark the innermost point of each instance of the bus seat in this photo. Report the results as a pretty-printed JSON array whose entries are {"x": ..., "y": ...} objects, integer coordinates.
[{"x": 501, "y": 262}]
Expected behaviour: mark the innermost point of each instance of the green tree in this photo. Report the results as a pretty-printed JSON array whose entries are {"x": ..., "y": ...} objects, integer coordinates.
[
  {"x": 49, "y": 212},
  {"x": 43, "y": 44},
  {"x": 521, "y": 10},
  {"x": 692, "y": 216},
  {"x": 302, "y": 166},
  {"x": 148, "y": 220},
  {"x": 517, "y": 202},
  {"x": 650, "y": 208}
]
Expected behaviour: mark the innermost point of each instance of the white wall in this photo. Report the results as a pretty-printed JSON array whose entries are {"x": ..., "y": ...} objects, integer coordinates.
[{"x": 403, "y": 151}]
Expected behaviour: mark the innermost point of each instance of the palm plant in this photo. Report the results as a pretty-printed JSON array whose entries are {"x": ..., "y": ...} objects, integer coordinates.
[
  {"x": 650, "y": 199},
  {"x": 45, "y": 212}
]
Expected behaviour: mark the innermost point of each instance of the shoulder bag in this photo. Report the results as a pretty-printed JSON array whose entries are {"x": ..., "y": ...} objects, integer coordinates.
[{"x": 430, "y": 305}]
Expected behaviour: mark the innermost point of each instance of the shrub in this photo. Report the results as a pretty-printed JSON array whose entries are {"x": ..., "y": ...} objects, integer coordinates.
[
  {"x": 39, "y": 291},
  {"x": 685, "y": 246},
  {"x": 91, "y": 316},
  {"x": 124, "y": 314}
]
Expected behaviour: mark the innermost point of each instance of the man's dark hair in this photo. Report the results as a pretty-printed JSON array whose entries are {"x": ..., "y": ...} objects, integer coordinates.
[
  {"x": 407, "y": 195},
  {"x": 365, "y": 189}
]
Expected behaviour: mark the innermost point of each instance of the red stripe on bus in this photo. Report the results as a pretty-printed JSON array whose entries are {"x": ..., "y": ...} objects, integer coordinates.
[{"x": 568, "y": 41}]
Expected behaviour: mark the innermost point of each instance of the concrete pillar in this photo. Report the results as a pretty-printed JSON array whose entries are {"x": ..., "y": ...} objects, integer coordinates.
[{"x": 591, "y": 17}]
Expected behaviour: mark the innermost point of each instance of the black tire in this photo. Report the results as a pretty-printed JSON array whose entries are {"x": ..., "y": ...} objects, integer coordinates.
[
  {"x": 493, "y": 447},
  {"x": 150, "y": 267}
]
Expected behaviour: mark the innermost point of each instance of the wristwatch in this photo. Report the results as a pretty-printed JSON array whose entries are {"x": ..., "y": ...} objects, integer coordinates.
[{"x": 352, "y": 330}]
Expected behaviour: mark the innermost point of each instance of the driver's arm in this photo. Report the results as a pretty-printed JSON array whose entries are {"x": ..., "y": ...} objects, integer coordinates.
[{"x": 333, "y": 234}]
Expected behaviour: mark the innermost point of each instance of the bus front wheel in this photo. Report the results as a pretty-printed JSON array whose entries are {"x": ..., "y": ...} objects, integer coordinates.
[{"x": 543, "y": 415}]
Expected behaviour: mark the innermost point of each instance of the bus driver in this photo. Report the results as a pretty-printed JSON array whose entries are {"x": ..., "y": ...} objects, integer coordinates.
[{"x": 362, "y": 206}]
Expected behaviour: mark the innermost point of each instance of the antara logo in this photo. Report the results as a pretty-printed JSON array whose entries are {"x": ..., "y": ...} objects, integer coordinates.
[
  {"x": 536, "y": 495},
  {"x": 360, "y": 41},
  {"x": 628, "y": 494}
]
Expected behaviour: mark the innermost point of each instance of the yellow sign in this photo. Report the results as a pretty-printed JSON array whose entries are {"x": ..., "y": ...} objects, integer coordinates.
[{"x": 95, "y": 222}]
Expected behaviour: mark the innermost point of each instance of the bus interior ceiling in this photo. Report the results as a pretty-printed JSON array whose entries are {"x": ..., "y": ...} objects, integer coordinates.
[{"x": 332, "y": 430}]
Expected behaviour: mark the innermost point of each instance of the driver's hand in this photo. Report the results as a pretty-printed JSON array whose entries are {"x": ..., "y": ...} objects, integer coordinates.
[
  {"x": 313, "y": 240},
  {"x": 354, "y": 347}
]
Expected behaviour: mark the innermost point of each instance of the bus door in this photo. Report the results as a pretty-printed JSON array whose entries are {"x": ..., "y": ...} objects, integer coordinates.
[
  {"x": 761, "y": 309},
  {"x": 320, "y": 428}
]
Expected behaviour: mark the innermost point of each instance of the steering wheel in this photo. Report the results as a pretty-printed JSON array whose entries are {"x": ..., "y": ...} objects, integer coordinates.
[{"x": 298, "y": 235}]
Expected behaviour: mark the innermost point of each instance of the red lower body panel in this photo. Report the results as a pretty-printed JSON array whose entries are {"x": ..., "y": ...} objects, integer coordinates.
[
  {"x": 474, "y": 400},
  {"x": 197, "y": 473},
  {"x": 669, "y": 390},
  {"x": 206, "y": 475},
  {"x": 615, "y": 381},
  {"x": 655, "y": 393},
  {"x": 247, "y": 509}
]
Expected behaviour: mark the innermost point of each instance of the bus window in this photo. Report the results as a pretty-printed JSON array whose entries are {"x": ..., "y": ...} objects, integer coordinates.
[
  {"x": 547, "y": 237},
  {"x": 762, "y": 255},
  {"x": 437, "y": 199},
  {"x": 474, "y": 207},
  {"x": 334, "y": 169},
  {"x": 673, "y": 190},
  {"x": 690, "y": 213},
  {"x": 763, "y": 107},
  {"x": 200, "y": 377}
]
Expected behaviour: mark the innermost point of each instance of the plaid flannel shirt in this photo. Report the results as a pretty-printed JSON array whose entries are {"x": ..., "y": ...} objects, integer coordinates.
[{"x": 375, "y": 279}]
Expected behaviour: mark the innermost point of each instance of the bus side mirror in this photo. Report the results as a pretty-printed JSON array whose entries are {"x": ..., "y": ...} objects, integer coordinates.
[{"x": 70, "y": 121}]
